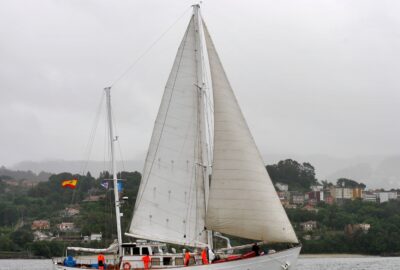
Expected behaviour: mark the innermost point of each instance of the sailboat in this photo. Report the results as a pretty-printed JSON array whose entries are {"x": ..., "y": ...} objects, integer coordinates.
[{"x": 198, "y": 184}]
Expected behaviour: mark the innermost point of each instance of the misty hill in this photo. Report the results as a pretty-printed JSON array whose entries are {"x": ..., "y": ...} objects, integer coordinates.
[
  {"x": 374, "y": 171},
  {"x": 41, "y": 176},
  {"x": 60, "y": 166}
]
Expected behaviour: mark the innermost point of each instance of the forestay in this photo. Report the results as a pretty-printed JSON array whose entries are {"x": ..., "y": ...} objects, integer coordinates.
[
  {"x": 243, "y": 201},
  {"x": 170, "y": 204}
]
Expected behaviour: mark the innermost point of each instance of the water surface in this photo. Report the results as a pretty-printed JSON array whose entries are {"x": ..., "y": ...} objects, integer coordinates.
[{"x": 304, "y": 263}]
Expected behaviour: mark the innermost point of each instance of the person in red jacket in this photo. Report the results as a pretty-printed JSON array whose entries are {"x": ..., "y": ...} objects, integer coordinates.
[
  {"x": 204, "y": 254},
  {"x": 101, "y": 261},
  {"x": 187, "y": 258},
  {"x": 146, "y": 261}
]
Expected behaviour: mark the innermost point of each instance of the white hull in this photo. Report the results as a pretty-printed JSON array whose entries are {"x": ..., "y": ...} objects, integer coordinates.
[{"x": 278, "y": 261}]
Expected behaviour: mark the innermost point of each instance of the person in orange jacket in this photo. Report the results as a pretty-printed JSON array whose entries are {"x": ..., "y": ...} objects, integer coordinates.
[
  {"x": 187, "y": 258},
  {"x": 204, "y": 255},
  {"x": 146, "y": 261},
  {"x": 101, "y": 261}
]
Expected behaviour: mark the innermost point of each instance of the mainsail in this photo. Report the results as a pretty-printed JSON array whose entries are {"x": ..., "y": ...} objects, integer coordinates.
[
  {"x": 170, "y": 205},
  {"x": 243, "y": 201}
]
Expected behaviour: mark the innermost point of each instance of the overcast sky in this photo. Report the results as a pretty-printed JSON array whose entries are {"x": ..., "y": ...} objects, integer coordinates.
[{"x": 312, "y": 77}]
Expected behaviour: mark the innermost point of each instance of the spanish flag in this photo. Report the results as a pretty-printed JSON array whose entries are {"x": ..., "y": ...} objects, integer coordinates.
[{"x": 69, "y": 183}]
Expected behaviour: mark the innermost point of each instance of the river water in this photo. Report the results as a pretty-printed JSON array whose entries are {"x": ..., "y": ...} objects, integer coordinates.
[{"x": 304, "y": 263}]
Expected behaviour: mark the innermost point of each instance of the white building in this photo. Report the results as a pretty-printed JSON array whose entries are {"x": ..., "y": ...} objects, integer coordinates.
[
  {"x": 309, "y": 225},
  {"x": 343, "y": 193},
  {"x": 370, "y": 197},
  {"x": 66, "y": 226},
  {"x": 96, "y": 237},
  {"x": 386, "y": 196},
  {"x": 317, "y": 188},
  {"x": 282, "y": 187}
]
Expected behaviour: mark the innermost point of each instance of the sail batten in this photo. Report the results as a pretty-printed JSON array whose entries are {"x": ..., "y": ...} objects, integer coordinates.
[{"x": 243, "y": 201}]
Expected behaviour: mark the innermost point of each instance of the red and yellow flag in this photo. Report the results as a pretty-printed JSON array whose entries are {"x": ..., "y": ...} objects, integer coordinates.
[{"x": 69, "y": 183}]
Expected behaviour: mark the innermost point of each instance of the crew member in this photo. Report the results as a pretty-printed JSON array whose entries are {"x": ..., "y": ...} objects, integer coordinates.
[
  {"x": 204, "y": 255},
  {"x": 256, "y": 249},
  {"x": 146, "y": 261},
  {"x": 187, "y": 258},
  {"x": 101, "y": 261}
]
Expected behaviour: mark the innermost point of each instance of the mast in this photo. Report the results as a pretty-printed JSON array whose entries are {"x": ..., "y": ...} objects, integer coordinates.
[
  {"x": 203, "y": 162},
  {"x": 113, "y": 168}
]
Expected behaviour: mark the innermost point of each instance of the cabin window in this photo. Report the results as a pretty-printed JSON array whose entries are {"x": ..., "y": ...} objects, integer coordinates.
[
  {"x": 136, "y": 251},
  {"x": 178, "y": 261},
  {"x": 127, "y": 251},
  {"x": 155, "y": 261},
  {"x": 167, "y": 261},
  {"x": 156, "y": 250},
  {"x": 145, "y": 251}
]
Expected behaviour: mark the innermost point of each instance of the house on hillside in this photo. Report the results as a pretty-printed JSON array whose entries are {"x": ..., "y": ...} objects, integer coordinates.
[
  {"x": 316, "y": 188},
  {"x": 40, "y": 225},
  {"x": 282, "y": 187},
  {"x": 66, "y": 226},
  {"x": 297, "y": 198},
  {"x": 350, "y": 229},
  {"x": 370, "y": 197},
  {"x": 386, "y": 196},
  {"x": 41, "y": 236},
  {"x": 71, "y": 211},
  {"x": 308, "y": 225},
  {"x": 342, "y": 193},
  {"x": 316, "y": 196},
  {"x": 96, "y": 237},
  {"x": 329, "y": 200}
]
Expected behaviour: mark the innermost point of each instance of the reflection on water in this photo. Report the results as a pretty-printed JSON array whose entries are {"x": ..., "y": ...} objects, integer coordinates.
[
  {"x": 319, "y": 263},
  {"x": 363, "y": 263},
  {"x": 26, "y": 265}
]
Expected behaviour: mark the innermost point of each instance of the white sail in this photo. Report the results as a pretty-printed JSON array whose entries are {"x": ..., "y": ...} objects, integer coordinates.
[
  {"x": 170, "y": 205},
  {"x": 243, "y": 201}
]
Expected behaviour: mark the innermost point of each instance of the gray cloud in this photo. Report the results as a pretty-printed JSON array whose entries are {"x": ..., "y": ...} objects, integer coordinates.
[{"x": 312, "y": 77}]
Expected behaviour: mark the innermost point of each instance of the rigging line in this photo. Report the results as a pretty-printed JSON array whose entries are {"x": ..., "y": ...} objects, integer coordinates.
[
  {"x": 207, "y": 103},
  {"x": 105, "y": 149},
  {"x": 149, "y": 48},
  {"x": 140, "y": 196},
  {"x": 117, "y": 138},
  {"x": 89, "y": 146}
]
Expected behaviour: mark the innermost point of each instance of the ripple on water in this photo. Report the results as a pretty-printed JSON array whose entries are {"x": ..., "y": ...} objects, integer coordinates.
[{"x": 362, "y": 263}]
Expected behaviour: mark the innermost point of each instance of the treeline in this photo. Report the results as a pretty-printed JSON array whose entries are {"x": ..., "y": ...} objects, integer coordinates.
[
  {"x": 298, "y": 176},
  {"x": 23, "y": 175},
  {"x": 20, "y": 206},
  {"x": 382, "y": 238}
]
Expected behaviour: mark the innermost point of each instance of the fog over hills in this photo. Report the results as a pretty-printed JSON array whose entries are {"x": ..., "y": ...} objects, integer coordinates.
[{"x": 374, "y": 171}]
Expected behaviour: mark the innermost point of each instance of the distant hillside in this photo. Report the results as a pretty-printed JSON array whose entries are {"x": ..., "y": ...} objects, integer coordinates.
[
  {"x": 24, "y": 175},
  {"x": 60, "y": 166},
  {"x": 374, "y": 171}
]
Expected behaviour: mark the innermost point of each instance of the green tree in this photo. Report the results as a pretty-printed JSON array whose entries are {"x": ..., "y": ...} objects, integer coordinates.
[{"x": 298, "y": 176}]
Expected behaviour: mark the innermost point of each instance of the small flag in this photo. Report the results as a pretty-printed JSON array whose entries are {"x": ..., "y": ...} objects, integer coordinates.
[
  {"x": 69, "y": 183},
  {"x": 104, "y": 184},
  {"x": 119, "y": 186}
]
